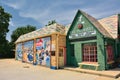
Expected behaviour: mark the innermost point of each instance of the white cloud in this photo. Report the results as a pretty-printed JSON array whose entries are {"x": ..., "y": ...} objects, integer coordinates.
[
  {"x": 102, "y": 9},
  {"x": 47, "y": 15},
  {"x": 36, "y": 15},
  {"x": 15, "y": 4},
  {"x": 66, "y": 16},
  {"x": 51, "y": 13},
  {"x": 63, "y": 11},
  {"x": 43, "y": 13}
]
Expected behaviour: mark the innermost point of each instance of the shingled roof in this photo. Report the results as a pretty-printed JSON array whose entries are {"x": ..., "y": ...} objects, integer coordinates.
[
  {"x": 67, "y": 28},
  {"x": 47, "y": 30},
  {"x": 110, "y": 24},
  {"x": 95, "y": 22}
]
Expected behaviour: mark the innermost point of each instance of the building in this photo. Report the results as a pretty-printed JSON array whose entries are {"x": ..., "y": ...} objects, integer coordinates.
[
  {"x": 45, "y": 46},
  {"x": 93, "y": 44}
]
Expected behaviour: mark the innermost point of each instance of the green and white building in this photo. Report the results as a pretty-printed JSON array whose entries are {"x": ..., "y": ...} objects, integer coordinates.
[{"x": 93, "y": 44}]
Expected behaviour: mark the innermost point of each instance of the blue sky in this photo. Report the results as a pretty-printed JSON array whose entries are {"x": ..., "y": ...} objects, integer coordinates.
[{"x": 39, "y": 12}]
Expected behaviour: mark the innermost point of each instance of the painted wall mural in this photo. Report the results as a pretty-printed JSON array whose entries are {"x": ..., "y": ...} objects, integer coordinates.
[
  {"x": 19, "y": 51},
  {"x": 43, "y": 51},
  {"x": 28, "y": 51}
]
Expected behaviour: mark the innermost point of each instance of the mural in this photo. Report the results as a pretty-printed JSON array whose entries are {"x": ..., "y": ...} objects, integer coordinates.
[
  {"x": 43, "y": 51},
  {"x": 19, "y": 51},
  {"x": 28, "y": 52}
]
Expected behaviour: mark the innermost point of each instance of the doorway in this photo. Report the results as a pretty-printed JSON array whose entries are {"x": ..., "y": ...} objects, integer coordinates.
[{"x": 62, "y": 55}]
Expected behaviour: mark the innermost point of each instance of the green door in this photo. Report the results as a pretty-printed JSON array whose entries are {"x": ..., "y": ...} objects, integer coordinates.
[{"x": 72, "y": 55}]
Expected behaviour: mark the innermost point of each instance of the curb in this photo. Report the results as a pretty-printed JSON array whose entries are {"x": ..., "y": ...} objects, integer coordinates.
[{"x": 99, "y": 74}]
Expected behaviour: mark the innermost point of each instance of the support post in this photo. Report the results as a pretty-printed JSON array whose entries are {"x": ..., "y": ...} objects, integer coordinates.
[
  {"x": 57, "y": 51},
  {"x": 34, "y": 52}
]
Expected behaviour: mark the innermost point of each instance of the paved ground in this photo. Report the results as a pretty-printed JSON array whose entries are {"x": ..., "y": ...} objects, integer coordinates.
[{"x": 15, "y": 70}]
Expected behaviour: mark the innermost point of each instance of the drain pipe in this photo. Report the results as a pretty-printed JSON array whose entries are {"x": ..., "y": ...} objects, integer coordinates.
[{"x": 57, "y": 52}]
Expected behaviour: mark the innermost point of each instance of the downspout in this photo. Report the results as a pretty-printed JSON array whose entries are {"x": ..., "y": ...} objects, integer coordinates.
[
  {"x": 34, "y": 52},
  {"x": 57, "y": 55}
]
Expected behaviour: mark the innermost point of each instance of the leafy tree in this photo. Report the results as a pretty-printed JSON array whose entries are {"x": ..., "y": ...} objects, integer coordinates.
[
  {"x": 4, "y": 23},
  {"x": 50, "y": 22},
  {"x": 20, "y": 31}
]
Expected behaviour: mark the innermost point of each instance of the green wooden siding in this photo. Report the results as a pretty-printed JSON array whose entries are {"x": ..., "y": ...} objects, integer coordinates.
[
  {"x": 87, "y": 30},
  {"x": 78, "y": 53},
  {"x": 78, "y": 38},
  {"x": 68, "y": 56},
  {"x": 101, "y": 53},
  {"x": 87, "y": 27}
]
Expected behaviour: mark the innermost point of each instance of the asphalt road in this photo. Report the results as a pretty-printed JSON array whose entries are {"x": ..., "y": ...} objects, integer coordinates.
[{"x": 16, "y": 70}]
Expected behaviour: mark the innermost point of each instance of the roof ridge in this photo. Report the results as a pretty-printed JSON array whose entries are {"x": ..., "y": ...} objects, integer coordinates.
[{"x": 42, "y": 31}]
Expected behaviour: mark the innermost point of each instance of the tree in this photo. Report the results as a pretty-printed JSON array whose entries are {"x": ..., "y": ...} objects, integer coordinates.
[
  {"x": 20, "y": 31},
  {"x": 50, "y": 22},
  {"x": 4, "y": 23}
]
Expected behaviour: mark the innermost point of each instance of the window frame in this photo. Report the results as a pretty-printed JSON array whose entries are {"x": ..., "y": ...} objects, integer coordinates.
[{"x": 89, "y": 52}]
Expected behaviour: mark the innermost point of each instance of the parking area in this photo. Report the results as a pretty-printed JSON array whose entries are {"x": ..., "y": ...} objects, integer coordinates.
[{"x": 11, "y": 69}]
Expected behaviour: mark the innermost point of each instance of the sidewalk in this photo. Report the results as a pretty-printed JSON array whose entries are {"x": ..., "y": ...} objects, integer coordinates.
[{"x": 114, "y": 73}]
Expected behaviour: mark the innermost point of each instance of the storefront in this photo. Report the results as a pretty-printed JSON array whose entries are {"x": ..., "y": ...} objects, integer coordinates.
[
  {"x": 45, "y": 47},
  {"x": 93, "y": 44}
]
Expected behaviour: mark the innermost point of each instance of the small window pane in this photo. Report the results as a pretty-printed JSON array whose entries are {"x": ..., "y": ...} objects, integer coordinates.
[
  {"x": 52, "y": 53},
  {"x": 89, "y": 52}
]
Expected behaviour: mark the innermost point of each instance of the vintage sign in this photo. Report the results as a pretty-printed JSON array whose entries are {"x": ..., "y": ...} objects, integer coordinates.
[
  {"x": 82, "y": 28},
  {"x": 86, "y": 32}
]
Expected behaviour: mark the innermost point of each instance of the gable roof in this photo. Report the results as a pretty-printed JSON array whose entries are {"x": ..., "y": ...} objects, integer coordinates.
[
  {"x": 47, "y": 30},
  {"x": 67, "y": 28},
  {"x": 111, "y": 25},
  {"x": 95, "y": 22}
]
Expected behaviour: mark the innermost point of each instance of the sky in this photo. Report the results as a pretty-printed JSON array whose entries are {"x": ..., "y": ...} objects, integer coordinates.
[{"x": 39, "y": 12}]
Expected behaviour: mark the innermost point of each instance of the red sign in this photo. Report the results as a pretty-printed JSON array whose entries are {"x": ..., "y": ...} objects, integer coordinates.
[{"x": 80, "y": 26}]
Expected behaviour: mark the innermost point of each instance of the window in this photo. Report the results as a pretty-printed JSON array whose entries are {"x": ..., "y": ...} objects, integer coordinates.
[
  {"x": 60, "y": 52},
  {"x": 89, "y": 52},
  {"x": 52, "y": 53},
  {"x": 109, "y": 53},
  {"x": 72, "y": 50}
]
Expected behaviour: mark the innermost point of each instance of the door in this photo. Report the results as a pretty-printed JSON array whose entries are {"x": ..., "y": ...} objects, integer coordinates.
[
  {"x": 72, "y": 55},
  {"x": 110, "y": 56},
  {"x": 61, "y": 57}
]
